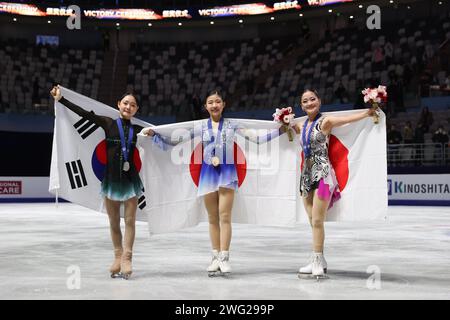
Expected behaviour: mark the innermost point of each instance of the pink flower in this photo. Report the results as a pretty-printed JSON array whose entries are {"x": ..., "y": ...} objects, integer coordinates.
[
  {"x": 377, "y": 95},
  {"x": 382, "y": 89},
  {"x": 283, "y": 115}
]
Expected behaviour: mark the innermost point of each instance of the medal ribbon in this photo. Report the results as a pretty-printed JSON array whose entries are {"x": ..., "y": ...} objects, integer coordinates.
[
  {"x": 125, "y": 148},
  {"x": 211, "y": 134},
  {"x": 307, "y": 140}
]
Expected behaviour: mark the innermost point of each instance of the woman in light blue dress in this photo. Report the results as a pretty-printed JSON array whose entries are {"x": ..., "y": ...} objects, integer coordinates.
[{"x": 218, "y": 176}]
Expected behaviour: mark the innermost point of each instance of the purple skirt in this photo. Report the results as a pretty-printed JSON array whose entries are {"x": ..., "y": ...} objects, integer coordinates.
[{"x": 328, "y": 192}]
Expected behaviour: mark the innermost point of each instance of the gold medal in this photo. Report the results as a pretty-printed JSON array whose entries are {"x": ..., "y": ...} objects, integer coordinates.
[{"x": 215, "y": 161}]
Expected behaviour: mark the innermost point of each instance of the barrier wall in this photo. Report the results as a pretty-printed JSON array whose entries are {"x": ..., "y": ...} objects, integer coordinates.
[
  {"x": 403, "y": 189},
  {"x": 25, "y": 189}
]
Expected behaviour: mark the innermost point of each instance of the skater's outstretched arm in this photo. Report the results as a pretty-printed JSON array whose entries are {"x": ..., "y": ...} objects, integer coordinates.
[
  {"x": 99, "y": 120},
  {"x": 251, "y": 134},
  {"x": 330, "y": 122},
  {"x": 164, "y": 142}
]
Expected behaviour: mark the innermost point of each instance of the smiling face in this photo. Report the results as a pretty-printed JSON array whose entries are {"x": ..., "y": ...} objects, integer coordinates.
[
  {"x": 214, "y": 105},
  {"x": 127, "y": 107},
  {"x": 310, "y": 103}
]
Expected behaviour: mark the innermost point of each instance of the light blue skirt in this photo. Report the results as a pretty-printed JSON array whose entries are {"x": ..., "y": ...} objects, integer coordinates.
[{"x": 212, "y": 178}]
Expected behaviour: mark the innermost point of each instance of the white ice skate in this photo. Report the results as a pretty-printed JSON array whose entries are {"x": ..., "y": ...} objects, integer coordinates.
[
  {"x": 308, "y": 268},
  {"x": 316, "y": 269},
  {"x": 214, "y": 269},
  {"x": 224, "y": 263}
]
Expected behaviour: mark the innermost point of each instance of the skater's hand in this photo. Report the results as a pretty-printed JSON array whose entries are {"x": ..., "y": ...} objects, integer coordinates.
[
  {"x": 371, "y": 111},
  {"x": 56, "y": 93},
  {"x": 148, "y": 132}
]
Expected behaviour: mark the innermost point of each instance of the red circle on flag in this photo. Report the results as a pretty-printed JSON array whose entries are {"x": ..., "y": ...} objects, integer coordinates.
[
  {"x": 100, "y": 152},
  {"x": 100, "y": 159},
  {"x": 338, "y": 155},
  {"x": 195, "y": 165}
]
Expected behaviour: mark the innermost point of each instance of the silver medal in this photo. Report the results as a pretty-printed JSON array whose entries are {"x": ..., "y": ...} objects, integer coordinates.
[{"x": 126, "y": 166}]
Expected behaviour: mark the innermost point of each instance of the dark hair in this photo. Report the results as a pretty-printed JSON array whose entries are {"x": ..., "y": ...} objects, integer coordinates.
[
  {"x": 215, "y": 92},
  {"x": 310, "y": 90},
  {"x": 129, "y": 94}
]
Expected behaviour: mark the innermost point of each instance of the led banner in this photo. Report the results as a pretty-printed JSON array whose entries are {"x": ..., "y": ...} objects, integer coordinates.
[
  {"x": 21, "y": 9},
  {"x": 316, "y": 3},
  {"x": 149, "y": 14},
  {"x": 123, "y": 14},
  {"x": 248, "y": 9}
]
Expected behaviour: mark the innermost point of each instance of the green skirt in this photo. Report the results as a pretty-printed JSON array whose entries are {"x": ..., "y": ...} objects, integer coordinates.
[{"x": 123, "y": 190}]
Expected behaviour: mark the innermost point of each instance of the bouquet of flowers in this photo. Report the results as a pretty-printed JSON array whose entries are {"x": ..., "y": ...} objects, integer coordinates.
[
  {"x": 285, "y": 116},
  {"x": 375, "y": 97}
]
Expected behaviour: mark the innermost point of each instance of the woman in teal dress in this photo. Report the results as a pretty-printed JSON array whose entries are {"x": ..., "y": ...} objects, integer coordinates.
[{"x": 121, "y": 183}]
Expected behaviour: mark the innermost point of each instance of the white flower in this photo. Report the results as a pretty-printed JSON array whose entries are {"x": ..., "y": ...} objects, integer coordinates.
[
  {"x": 286, "y": 119},
  {"x": 382, "y": 89}
]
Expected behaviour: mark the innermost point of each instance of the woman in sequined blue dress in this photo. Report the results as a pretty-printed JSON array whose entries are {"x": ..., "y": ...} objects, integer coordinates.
[{"x": 218, "y": 177}]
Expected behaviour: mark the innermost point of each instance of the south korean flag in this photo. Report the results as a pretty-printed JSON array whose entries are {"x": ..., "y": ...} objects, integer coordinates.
[{"x": 79, "y": 154}]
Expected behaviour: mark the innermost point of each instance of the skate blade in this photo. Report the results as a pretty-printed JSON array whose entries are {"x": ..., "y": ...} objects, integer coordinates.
[
  {"x": 309, "y": 276},
  {"x": 212, "y": 274},
  {"x": 116, "y": 275},
  {"x": 126, "y": 276}
]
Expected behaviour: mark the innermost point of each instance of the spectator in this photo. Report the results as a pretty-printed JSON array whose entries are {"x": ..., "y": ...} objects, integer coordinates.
[
  {"x": 426, "y": 119},
  {"x": 250, "y": 85},
  {"x": 35, "y": 93},
  {"x": 399, "y": 101},
  {"x": 425, "y": 82},
  {"x": 305, "y": 30},
  {"x": 378, "y": 58},
  {"x": 359, "y": 97},
  {"x": 389, "y": 53},
  {"x": 429, "y": 51},
  {"x": 393, "y": 135},
  {"x": 440, "y": 137},
  {"x": 392, "y": 92},
  {"x": 408, "y": 133},
  {"x": 394, "y": 138},
  {"x": 419, "y": 139},
  {"x": 419, "y": 56},
  {"x": 196, "y": 107},
  {"x": 407, "y": 75},
  {"x": 341, "y": 93},
  {"x": 105, "y": 36}
]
